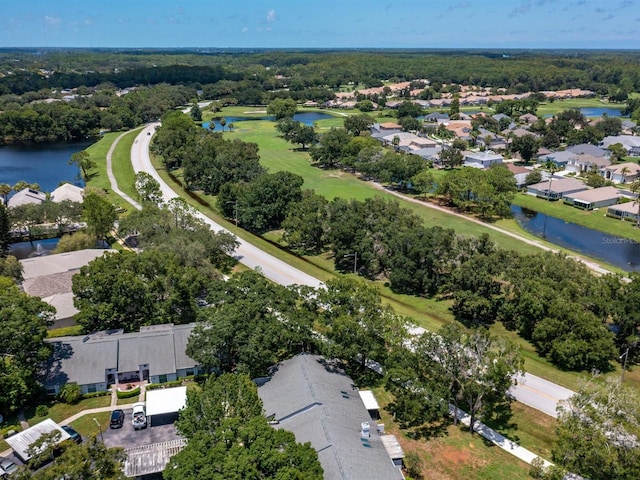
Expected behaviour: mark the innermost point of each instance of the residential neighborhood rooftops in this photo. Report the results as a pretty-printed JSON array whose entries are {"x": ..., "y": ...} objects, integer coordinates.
[
  {"x": 628, "y": 207},
  {"x": 588, "y": 149},
  {"x": 517, "y": 169},
  {"x": 313, "y": 398}
]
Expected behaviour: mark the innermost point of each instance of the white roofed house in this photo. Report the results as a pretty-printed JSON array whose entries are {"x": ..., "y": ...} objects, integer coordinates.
[
  {"x": 67, "y": 192},
  {"x": 482, "y": 159},
  {"x": 26, "y": 196}
]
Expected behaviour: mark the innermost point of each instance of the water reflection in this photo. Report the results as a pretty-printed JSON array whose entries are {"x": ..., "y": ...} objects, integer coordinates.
[{"x": 621, "y": 252}]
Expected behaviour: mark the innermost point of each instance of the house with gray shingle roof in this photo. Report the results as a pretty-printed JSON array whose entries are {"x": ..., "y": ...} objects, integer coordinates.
[
  {"x": 556, "y": 188},
  {"x": 156, "y": 354},
  {"x": 314, "y": 398},
  {"x": 593, "y": 198}
]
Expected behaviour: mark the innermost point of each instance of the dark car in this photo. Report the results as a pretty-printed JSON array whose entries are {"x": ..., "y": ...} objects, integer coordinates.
[
  {"x": 75, "y": 436},
  {"x": 117, "y": 418}
]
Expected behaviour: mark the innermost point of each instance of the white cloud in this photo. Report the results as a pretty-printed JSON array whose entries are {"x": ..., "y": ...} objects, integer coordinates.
[
  {"x": 271, "y": 16},
  {"x": 52, "y": 21},
  {"x": 244, "y": 30}
]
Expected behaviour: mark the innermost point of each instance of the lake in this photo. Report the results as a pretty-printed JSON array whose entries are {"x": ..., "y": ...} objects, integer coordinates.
[
  {"x": 621, "y": 252},
  {"x": 307, "y": 118},
  {"x": 44, "y": 164},
  {"x": 598, "y": 111}
]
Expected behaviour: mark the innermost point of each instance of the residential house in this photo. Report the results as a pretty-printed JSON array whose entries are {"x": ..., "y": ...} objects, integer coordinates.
[
  {"x": 585, "y": 163},
  {"x": 556, "y": 188},
  {"x": 593, "y": 198},
  {"x": 528, "y": 118},
  {"x": 49, "y": 278},
  {"x": 559, "y": 159},
  {"x": 435, "y": 117},
  {"x": 621, "y": 172},
  {"x": 67, "y": 192},
  {"x": 520, "y": 174},
  {"x": 624, "y": 211},
  {"x": 589, "y": 149},
  {"x": 630, "y": 143},
  {"x": 156, "y": 353},
  {"x": 628, "y": 126},
  {"x": 315, "y": 399},
  {"x": 482, "y": 159},
  {"x": 379, "y": 130},
  {"x": 431, "y": 154},
  {"x": 26, "y": 196}
]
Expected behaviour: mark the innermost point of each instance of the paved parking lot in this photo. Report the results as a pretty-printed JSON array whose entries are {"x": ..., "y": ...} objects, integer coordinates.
[{"x": 162, "y": 430}]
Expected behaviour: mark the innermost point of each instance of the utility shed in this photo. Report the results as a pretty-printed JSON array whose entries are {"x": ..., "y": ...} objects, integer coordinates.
[
  {"x": 370, "y": 403},
  {"x": 20, "y": 442},
  {"x": 164, "y": 401}
]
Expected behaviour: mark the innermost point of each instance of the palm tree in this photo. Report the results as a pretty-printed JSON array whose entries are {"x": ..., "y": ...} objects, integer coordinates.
[
  {"x": 624, "y": 172},
  {"x": 223, "y": 122},
  {"x": 5, "y": 190}
]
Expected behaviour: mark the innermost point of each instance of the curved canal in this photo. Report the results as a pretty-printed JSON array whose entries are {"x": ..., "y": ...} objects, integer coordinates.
[{"x": 621, "y": 252}]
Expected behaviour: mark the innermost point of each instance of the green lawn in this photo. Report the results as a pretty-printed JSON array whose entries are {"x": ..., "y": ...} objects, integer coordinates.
[
  {"x": 276, "y": 154},
  {"x": 86, "y": 425},
  {"x": 595, "y": 219},
  {"x": 59, "y": 411},
  {"x": 551, "y": 108},
  {"x": 452, "y": 453},
  {"x": 121, "y": 165}
]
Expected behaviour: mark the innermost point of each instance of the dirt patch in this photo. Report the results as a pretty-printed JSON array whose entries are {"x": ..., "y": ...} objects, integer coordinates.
[{"x": 455, "y": 455}]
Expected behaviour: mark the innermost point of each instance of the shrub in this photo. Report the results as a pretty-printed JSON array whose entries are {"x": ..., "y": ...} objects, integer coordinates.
[
  {"x": 96, "y": 394},
  {"x": 42, "y": 411},
  {"x": 70, "y": 393},
  {"x": 10, "y": 428},
  {"x": 65, "y": 331},
  {"x": 134, "y": 392}
]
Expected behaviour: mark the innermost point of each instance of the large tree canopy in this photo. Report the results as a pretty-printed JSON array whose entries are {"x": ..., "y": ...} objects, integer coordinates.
[
  {"x": 230, "y": 439},
  {"x": 22, "y": 348}
]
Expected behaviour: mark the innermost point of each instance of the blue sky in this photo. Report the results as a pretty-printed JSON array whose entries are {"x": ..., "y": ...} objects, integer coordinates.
[{"x": 321, "y": 24}]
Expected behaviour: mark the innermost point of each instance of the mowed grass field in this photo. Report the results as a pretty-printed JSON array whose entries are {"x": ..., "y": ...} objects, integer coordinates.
[
  {"x": 277, "y": 154},
  {"x": 557, "y": 106}
]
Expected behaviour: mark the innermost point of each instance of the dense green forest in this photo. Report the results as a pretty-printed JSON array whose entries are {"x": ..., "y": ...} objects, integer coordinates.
[{"x": 33, "y": 84}]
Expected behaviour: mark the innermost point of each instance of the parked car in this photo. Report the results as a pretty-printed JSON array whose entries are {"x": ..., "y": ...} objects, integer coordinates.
[
  {"x": 138, "y": 417},
  {"x": 75, "y": 436},
  {"x": 7, "y": 467},
  {"x": 117, "y": 419}
]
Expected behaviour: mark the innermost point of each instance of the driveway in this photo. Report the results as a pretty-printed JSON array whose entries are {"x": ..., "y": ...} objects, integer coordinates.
[{"x": 162, "y": 430}]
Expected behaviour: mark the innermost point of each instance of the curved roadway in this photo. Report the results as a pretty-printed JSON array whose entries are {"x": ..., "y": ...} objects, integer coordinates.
[
  {"x": 530, "y": 389},
  {"x": 246, "y": 253}
]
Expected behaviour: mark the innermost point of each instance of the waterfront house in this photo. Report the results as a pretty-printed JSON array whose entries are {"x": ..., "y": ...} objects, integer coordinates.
[
  {"x": 556, "y": 188},
  {"x": 593, "y": 198},
  {"x": 624, "y": 211}
]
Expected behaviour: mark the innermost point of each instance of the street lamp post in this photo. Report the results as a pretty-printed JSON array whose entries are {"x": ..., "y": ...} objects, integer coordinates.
[
  {"x": 99, "y": 428},
  {"x": 624, "y": 365},
  {"x": 235, "y": 210},
  {"x": 355, "y": 261}
]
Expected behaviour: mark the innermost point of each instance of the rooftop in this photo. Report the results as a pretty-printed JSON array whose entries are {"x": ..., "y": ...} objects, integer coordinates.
[
  {"x": 595, "y": 194},
  {"x": 313, "y": 398},
  {"x": 60, "y": 262},
  {"x": 559, "y": 185},
  {"x": 21, "y": 441}
]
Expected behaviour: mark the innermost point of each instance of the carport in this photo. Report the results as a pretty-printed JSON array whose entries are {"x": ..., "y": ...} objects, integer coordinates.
[
  {"x": 20, "y": 442},
  {"x": 165, "y": 401}
]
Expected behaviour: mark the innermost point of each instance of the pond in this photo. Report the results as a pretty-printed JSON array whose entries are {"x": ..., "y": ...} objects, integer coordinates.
[
  {"x": 620, "y": 252},
  {"x": 598, "y": 111},
  {"x": 44, "y": 164},
  {"x": 307, "y": 118},
  {"x": 37, "y": 248}
]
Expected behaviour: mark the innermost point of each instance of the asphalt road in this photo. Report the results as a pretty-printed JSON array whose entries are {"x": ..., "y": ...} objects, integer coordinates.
[
  {"x": 246, "y": 253},
  {"x": 530, "y": 390}
]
